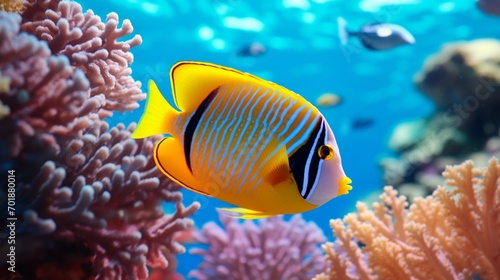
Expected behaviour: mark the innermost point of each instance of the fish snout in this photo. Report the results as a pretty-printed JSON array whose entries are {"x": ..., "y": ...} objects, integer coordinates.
[{"x": 344, "y": 185}]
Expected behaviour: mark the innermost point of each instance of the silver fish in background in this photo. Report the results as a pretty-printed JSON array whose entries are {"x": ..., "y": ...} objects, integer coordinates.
[
  {"x": 252, "y": 49},
  {"x": 376, "y": 36},
  {"x": 489, "y": 7}
]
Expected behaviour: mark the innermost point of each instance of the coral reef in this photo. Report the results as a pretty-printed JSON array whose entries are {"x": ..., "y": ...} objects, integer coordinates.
[
  {"x": 463, "y": 80},
  {"x": 90, "y": 45},
  {"x": 36, "y": 84},
  {"x": 88, "y": 197},
  {"x": 453, "y": 234},
  {"x": 275, "y": 249},
  {"x": 109, "y": 190},
  {"x": 461, "y": 72},
  {"x": 11, "y": 5}
]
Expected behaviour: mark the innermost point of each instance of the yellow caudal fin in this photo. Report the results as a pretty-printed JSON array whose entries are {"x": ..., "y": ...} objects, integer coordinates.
[
  {"x": 246, "y": 214},
  {"x": 192, "y": 82},
  {"x": 157, "y": 116}
]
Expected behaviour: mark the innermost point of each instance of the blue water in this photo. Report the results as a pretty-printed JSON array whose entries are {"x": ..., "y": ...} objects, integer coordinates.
[{"x": 305, "y": 56}]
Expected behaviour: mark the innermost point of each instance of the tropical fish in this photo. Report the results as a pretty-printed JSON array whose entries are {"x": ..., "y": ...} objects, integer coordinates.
[
  {"x": 328, "y": 100},
  {"x": 243, "y": 140},
  {"x": 377, "y": 36},
  {"x": 253, "y": 49}
]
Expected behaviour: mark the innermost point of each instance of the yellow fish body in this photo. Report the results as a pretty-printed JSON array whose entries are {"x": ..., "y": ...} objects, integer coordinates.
[{"x": 244, "y": 140}]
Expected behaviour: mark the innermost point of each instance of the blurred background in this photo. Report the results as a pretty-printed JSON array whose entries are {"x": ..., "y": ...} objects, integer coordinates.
[{"x": 296, "y": 43}]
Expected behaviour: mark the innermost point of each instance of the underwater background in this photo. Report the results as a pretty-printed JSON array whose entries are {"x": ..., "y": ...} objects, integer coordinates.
[
  {"x": 379, "y": 90},
  {"x": 304, "y": 54}
]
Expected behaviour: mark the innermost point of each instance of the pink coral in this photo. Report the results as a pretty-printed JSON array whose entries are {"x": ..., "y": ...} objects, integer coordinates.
[
  {"x": 38, "y": 83},
  {"x": 86, "y": 195},
  {"x": 275, "y": 249},
  {"x": 91, "y": 46},
  {"x": 453, "y": 234},
  {"x": 110, "y": 195}
]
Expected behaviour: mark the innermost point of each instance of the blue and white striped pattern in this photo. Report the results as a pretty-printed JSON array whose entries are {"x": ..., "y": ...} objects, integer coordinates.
[{"x": 233, "y": 138}]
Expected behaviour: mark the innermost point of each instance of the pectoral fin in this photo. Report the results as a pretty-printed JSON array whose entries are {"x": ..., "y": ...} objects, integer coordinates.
[{"x": 276, "y": 168}]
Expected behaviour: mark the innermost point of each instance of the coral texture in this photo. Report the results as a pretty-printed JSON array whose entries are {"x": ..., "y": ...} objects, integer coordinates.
[
  {"x": 109, "y": 190},
  {"x": 90, "y": 45},
  {"x": 463, "y": 80},
  {"x": 11, "y": 5},
  {"x": 275, "y": 249},
  {"x": 36, "y": 84},
  {"x": 88, "y": 197},
  {"x": 453, "y": 234}
]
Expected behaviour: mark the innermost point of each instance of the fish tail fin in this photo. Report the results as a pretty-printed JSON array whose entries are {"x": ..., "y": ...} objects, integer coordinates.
[
  {"x": 156, "y": 117},
  {"x": 343, "y": 33},
  {"x": 246, "y": 214}
]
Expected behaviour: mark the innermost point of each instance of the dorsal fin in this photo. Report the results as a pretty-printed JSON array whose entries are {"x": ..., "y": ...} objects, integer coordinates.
[{"x": 193, "y": 81}]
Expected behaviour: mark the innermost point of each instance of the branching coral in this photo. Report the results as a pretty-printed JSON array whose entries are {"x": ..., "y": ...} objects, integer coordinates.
[
  {"x": 275, "y": 249},
  {"x": 110, "y": 195},
  {"x": 453, "y": 234},
  {"x": 38, "y": 84},
  {"x": 91, "y": 46},
  {"x": 86, "y": 195}
]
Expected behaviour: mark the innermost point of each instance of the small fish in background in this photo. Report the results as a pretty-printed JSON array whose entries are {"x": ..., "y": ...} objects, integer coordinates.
[
  {"x": 362, "y": 123},
  {"x": 376, "y": 36},
  {"x": 243, "y": 140},
  {"x": 252, "y": 49},
  {"x": 328, "y": 100},
  {"x": 489, "y": 7}
]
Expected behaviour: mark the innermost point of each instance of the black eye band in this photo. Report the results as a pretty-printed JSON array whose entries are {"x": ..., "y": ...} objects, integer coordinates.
[{"x": 306, "y": 162}]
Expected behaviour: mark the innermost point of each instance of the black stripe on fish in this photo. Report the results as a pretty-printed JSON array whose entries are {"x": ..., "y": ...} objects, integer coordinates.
[
  {"x": 315, "y": 161},
  {"x": 299, "y": 163},
  {"x": 193, "y": 124},
  {"x": 164, "y": 170}
]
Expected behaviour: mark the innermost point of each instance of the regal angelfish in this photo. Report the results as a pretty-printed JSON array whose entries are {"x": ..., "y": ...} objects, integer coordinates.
[{"x": 244, "y": 140}]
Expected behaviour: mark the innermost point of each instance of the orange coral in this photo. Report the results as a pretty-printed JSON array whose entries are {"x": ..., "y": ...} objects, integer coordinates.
[
  {"x": 11, "y": 5},
  {"x": 452, "y": 234}
]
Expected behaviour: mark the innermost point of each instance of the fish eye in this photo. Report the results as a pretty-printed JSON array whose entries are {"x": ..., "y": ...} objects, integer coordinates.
[{"x": 325, "y": 152}]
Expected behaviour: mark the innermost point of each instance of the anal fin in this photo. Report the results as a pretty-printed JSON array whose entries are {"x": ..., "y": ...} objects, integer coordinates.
[
  {"x": 246, "y": 214},
  {"x": 169, "y": 158}
]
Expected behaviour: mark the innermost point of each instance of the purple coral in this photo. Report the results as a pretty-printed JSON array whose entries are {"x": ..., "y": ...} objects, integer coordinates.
[
  {"x": 37, "y": 83},
  {"x": 275, "y": 249},
  {"x": 90, "y": 45},
  {"x": 110, "y": 195},
  {"x": 88, "y": 198}
]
